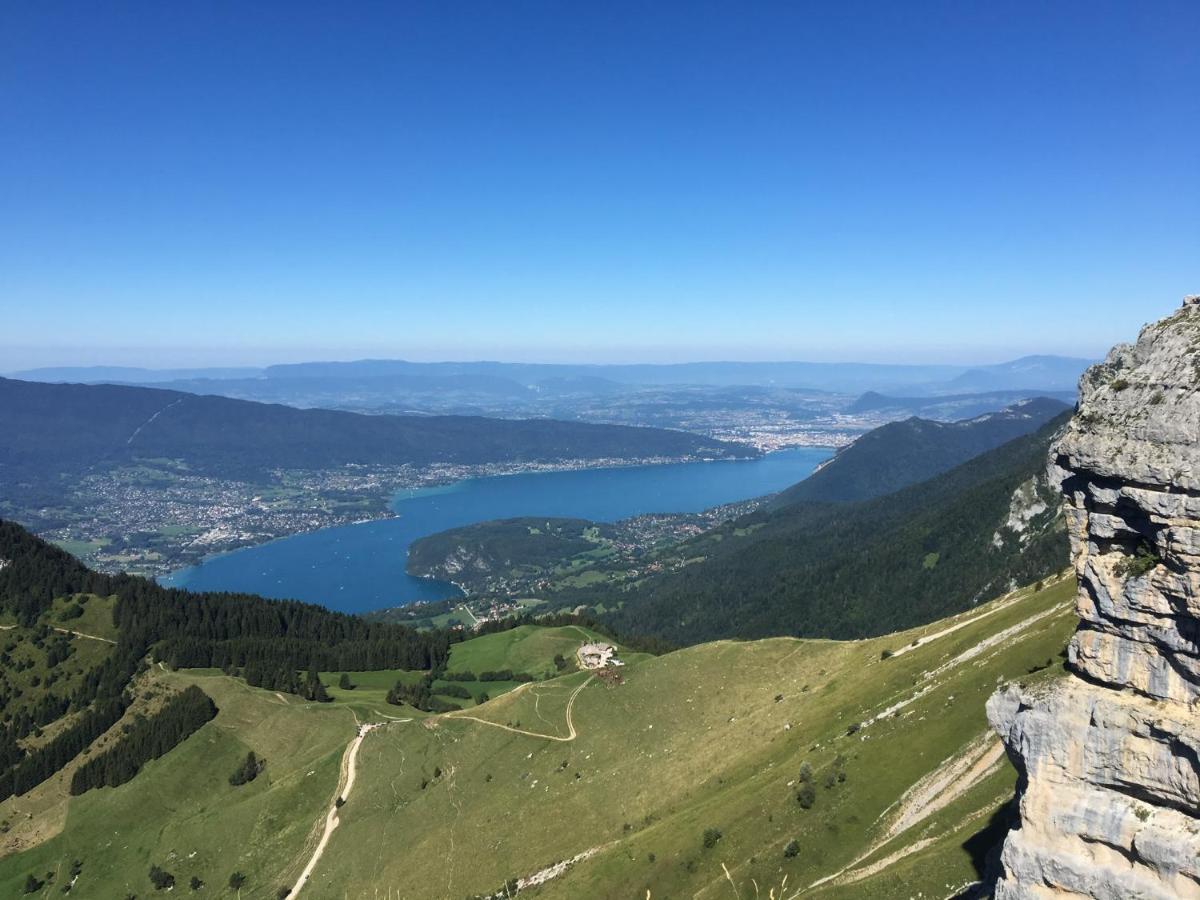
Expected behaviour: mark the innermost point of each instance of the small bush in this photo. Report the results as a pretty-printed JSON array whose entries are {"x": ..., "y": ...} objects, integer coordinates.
[
  {"x": 792, "y": 850},
  {"x": 1139, "y": 564},
  {"x": 250, "y": 769},
  {"x": 806, "y": 796},
  {"x": 711, "y": 836},
  {"x": 236, "y": 880},
  {"x": 70, "y": 611},
  {"x": 161, "y": 879},
  {"x": 1119, "y": 384}
]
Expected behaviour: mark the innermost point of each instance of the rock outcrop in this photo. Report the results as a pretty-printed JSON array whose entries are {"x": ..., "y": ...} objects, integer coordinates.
[{"x": 1109, "y": 758}]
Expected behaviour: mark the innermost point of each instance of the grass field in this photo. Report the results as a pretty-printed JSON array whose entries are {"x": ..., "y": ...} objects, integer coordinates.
[
  {"x": 97, "y": 618},
  {"x": 529, "y": 649},
  {"x": 181, "y": 813},
  {"x": 698, "y": 740},
  {"x": 714, "y": 739}
]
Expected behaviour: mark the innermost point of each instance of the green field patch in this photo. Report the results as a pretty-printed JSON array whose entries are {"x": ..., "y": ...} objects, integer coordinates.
[
  {"x": 85, "y": 613},
  {"x": 83, "y": 549},
  {"x": 528, "y": 648}
]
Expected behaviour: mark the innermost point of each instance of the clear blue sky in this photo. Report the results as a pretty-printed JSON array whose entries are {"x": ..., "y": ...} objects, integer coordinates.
[{"x": 196, "y": 183}]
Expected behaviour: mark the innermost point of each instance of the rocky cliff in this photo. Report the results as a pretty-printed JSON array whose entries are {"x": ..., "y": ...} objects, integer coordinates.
[{"x": 1110, "y": 757}]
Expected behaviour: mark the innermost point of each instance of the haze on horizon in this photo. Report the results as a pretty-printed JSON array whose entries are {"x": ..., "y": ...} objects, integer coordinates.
[{"x": 189, "y": 185}]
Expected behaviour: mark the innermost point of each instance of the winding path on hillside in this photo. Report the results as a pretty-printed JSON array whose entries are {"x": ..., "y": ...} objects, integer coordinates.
[
  {"x": 82, "y": 634},
  {"x": 350, "y": 763},
  {"x": 571, "y": 732}
]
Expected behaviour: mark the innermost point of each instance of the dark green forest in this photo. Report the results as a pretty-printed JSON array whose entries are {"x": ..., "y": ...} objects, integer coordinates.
[
  {"x": 848, "y": 571},
  {"x": 898, "y": 454},
  {"x": 487, "y": 546}
]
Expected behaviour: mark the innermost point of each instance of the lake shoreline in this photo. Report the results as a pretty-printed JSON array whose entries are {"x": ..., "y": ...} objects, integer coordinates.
[
  {"x": 425, "y": 484},
  {"x": 365, "y": 569}
]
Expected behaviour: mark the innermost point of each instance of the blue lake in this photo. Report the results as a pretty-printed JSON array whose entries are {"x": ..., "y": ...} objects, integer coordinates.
[{"x": 356, "y": 568}]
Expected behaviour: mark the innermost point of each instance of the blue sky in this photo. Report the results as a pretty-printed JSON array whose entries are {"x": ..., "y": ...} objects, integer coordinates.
[{"x": 218, "y": 183}]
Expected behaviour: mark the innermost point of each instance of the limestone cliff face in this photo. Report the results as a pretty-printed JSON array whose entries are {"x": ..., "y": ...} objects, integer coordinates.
[{"x": 1110, "y": 757}]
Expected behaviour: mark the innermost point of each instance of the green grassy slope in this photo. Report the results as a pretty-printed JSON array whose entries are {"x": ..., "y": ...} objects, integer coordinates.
[
  {"x": 527, "y": 648},
  {"x": 181, "y": 813},
  {"x": 691, "y": 741},
  {"x": 711, "y": 737}
]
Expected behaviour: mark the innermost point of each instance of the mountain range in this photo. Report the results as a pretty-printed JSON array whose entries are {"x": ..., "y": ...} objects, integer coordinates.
[
  {"x": 49, "y": 429},
  {"x": 1044, "y": 373}
]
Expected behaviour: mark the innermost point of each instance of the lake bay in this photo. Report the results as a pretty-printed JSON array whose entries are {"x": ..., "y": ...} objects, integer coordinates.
[{"x": 356, "y": 568}]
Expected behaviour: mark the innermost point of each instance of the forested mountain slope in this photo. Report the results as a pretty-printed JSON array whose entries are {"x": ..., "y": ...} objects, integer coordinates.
[
  {"x": 903, "y": 453},
  {"x": 84, "y": 677},
  {"x": 855, "y": 570},
  {"x": 48, "y": 429}
]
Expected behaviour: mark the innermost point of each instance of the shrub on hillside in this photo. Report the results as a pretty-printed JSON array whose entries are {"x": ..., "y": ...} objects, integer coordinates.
[
  {"x": 249, "y": 770},
  {"x": 161, "y": 879},
  {"x": 806, "y": 795},
  {"x": 70, "y": 611},
  {"x": 711, "y": 836}
]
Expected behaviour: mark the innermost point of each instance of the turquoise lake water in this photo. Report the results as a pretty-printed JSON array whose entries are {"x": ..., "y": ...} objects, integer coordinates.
[{"x": 356, "y": 568}]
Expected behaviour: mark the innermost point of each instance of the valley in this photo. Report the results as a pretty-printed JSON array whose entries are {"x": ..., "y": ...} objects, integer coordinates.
[{"x": 727, "y": 735}]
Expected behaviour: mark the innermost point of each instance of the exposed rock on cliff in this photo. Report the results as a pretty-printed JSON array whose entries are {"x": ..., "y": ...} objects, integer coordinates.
[{"x": 1110, "y": 757}]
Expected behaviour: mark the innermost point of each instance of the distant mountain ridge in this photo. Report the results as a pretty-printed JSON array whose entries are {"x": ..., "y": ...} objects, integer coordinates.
[
  {"x": 47, "y": 429},
  {"x": 1044, "y": 372},
  {"x": 873, "y": 401},
  {"x": 898, "y": 454},
  {"x": 1041, "y": 372}
]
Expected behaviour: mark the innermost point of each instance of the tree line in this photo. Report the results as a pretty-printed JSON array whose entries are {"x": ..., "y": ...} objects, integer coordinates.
[{"x": 148, "y": 738}]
